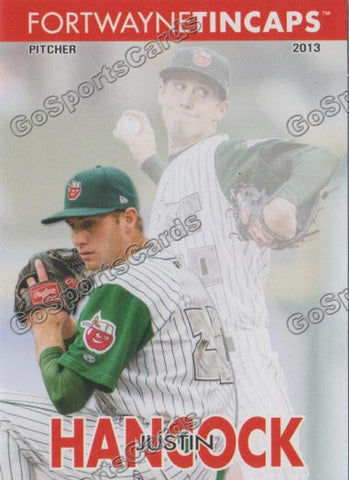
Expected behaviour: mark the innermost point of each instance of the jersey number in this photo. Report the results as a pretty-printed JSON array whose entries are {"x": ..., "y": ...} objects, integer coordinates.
[{"x": 210, "y": 357}]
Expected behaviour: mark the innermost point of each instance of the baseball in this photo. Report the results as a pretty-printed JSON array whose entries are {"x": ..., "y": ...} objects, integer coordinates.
[{"x": 127, "y": 126}]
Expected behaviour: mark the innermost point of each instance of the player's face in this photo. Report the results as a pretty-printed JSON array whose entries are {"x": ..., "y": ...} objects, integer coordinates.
[
  {"x": 191, "y": 108},
  {"x": 99, "y": 239}
]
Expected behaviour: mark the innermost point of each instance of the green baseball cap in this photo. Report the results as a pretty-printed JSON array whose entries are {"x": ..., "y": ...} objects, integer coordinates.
[
  {"x": 96, "y": 191},
  {"x": 204, "y": 61}
]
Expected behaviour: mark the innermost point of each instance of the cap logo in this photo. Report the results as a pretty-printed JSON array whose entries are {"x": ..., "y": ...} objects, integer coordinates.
[
  {"x": 123, "y": 199},
  {"x": 99, "y": 334},
  {"x": 202, "y": 58},
  {"x": 74, "y": 190}
]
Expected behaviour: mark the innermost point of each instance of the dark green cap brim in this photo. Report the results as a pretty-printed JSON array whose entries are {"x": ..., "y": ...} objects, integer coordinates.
[{"x": 76, "y": 212}]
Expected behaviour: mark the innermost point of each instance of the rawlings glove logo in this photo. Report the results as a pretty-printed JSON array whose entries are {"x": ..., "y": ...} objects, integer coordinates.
[{"x": 44, "y": 293}]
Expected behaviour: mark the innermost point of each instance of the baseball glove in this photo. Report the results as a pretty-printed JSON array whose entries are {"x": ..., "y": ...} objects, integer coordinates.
[
  {"x": 248, "y": 203},
  {"x": 64, "y": 269}
]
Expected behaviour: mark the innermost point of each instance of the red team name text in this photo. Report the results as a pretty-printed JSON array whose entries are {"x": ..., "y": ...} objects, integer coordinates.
[
  {"x": 105, "y": 445},
  {"x": 253, "y": 21}
]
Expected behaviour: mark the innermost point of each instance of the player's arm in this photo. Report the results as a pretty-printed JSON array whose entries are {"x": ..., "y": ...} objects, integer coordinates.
[
  {"x": 311, "y": 168},
  {"x": 286, "y": 169},
  {"x": 139, "y": 137},
  {"x": 68, "y": 391},
  {"x": 112, "y": 327},
  {"x": 53, "y": 328},
  {"x": 69, "y": 376},
  {"x": 292, "y": 172}
]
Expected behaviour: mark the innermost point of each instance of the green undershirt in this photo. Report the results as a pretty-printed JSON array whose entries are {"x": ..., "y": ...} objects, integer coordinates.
[{"x": 67, "y": 390}]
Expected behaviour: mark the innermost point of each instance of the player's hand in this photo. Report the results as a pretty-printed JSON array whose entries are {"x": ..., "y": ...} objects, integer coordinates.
[
  {"x": 259, "y": 235},
  {"x": 46, "y": 317},
  {"x": 138, "y": 135},
  {"x": 280, "y": 217}
]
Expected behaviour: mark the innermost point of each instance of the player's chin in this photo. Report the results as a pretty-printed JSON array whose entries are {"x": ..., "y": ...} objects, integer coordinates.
[
  {"x": 184, "y": 133},
  {"x": 91, "y": 264}
]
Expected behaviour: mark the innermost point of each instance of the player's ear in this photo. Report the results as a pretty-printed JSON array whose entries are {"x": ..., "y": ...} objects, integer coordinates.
[
  {"x": 128, "y": 220},
  {"x": 222, "y": 109}
]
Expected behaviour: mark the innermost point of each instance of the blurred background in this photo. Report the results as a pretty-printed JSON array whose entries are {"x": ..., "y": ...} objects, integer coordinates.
[{"x": 270, "y": 85}]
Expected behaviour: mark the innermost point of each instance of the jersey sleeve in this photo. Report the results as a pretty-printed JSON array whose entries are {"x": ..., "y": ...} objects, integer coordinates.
[
  {"x": 287, "y": 169},
  {"x": 154, "y": 168},
  {"x": 111, "y": 328}
]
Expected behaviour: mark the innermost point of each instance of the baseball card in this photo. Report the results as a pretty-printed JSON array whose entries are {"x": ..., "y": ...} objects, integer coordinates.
[{"x": 174, "y": 295}]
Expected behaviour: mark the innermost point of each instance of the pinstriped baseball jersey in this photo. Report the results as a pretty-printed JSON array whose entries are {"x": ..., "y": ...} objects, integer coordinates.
[
  {"x": 233, "y": 271},
  {"x": 182, "y": 369}
]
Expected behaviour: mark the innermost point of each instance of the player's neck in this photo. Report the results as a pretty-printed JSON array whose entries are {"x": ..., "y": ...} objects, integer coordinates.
[
  {"x": 175, "y": 145},
  {"x": 136, "y": 242}
]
